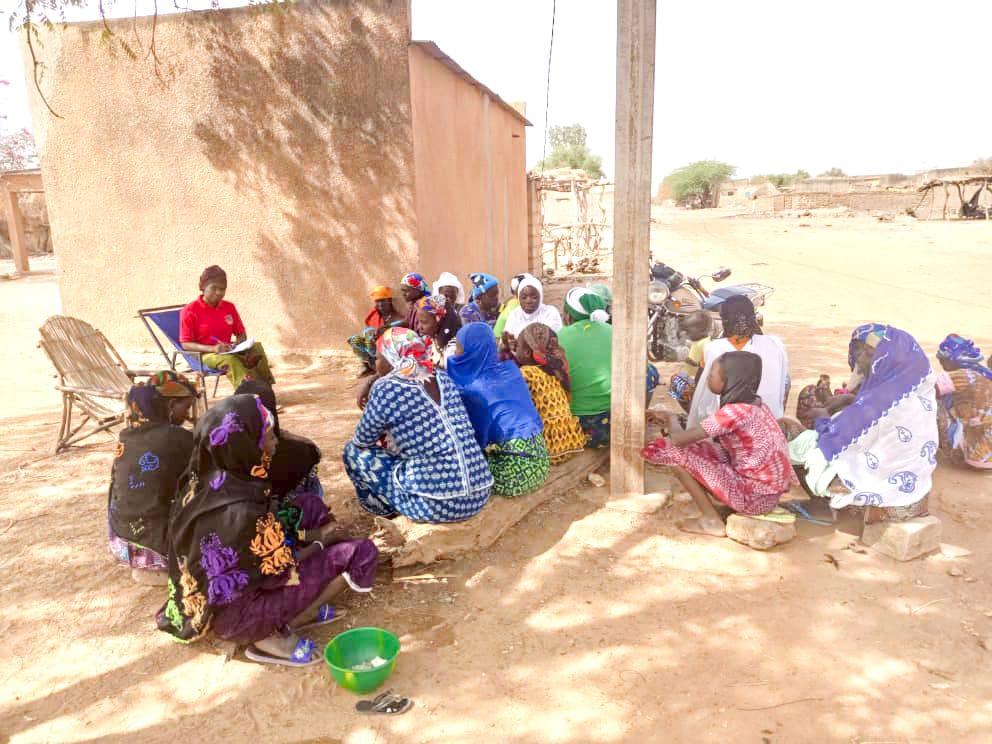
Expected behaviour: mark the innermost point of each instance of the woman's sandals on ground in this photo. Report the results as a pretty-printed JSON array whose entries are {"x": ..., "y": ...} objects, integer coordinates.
[{"x": 385, "y": 703}]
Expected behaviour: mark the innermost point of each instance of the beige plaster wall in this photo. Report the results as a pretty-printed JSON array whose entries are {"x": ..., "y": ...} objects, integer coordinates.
[
  {"x": 471, "y": 176},
  {"x": 279, "y": 146}
]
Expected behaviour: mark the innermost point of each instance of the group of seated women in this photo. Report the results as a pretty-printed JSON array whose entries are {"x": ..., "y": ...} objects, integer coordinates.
[
  {"x": 468, "y": 401},
  {"x": 871, "y": 445},
  {"x": 232, "y": 518}
]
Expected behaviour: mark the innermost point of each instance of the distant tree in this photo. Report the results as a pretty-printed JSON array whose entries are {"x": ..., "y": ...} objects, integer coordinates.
[
  {"x": 17, "y": 151},
  {"x": 569, "y": 150},
  {"x": 693, "y": 185},
  {"x": 781, "y": 179},
  {"x": 982, "y": 165},
  {"x": 833, "y": 173}
]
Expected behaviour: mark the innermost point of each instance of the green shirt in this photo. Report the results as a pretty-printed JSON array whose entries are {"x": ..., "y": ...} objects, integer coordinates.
[
  {"x": 504, "y": 315},
  {"x": 588, "y": 348}
]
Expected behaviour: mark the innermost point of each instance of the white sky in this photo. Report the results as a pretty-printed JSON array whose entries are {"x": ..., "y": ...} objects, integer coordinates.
[{"x": 869, "y": 86}]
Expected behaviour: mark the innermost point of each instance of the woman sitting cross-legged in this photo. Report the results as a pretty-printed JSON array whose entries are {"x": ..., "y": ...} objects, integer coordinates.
[
  {"x": 211, "y": 325},
  {"x": 545, "y": 370},
  {"x": 382, "y": 316},
  {"x": 964, "y": 412},
  {"x": 414, "y": 452},
  {"x": 746, "y": 465},
  {"x": 883, "y": 445},
  {"x": 507, "y": 425},
  {"x": 235, "y": 567},
  {"x": 152, "y": 455}
]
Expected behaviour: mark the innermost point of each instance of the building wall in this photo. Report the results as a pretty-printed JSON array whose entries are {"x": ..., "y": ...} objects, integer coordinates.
[
  {"x": 471, "y": 176},
  {"x": 279, "y": 146}
]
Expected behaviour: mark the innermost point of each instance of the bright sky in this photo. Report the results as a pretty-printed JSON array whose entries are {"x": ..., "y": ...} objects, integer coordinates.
[{"x": 766, "y": 85}]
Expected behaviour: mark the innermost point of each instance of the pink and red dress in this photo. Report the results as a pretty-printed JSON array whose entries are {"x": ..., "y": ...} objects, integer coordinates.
[{"x": 746, "y": 466}]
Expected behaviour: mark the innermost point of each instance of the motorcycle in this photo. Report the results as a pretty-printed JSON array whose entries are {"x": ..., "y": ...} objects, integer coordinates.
[{"x": 672, "y": 296}]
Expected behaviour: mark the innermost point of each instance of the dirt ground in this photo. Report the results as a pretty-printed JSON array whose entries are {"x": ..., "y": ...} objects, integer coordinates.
[{"x": 587, "y": 622}]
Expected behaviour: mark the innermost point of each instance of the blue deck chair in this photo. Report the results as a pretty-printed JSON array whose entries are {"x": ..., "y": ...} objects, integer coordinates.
[{"x": 166, "y": 319}]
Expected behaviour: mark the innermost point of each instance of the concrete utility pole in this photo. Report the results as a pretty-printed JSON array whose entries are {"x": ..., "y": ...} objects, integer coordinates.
[{"x": 631, "y": 240}]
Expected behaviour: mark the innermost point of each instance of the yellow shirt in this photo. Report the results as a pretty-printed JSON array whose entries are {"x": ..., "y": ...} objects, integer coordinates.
[{"x": 695, "y": 359}]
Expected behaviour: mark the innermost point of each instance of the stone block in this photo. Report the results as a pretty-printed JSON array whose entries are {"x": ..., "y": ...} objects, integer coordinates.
[
  {"x": 903, "y": 541},
  {"x": 759, "y": 534}
]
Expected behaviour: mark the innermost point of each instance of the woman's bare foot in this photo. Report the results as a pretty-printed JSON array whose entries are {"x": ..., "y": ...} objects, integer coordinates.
[
  {"x": 703, "y": 526},
  {"x": 278, "y": 645}
]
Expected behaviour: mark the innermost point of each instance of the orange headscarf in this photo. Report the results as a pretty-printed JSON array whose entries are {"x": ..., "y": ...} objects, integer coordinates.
[{"x": 381, "y": 292}]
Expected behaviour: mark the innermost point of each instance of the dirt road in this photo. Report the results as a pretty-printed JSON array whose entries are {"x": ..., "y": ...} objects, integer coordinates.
[{"x": 587, "y": 623}]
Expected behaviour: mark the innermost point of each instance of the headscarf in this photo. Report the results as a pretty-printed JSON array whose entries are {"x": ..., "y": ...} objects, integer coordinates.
[
  {"x": 962, "y": 353},
  {"x": 224, "y": 539},
  {"x": 583, "y": 304},
  {"x": 898, "y": 366},
  {"x": 417, "y": 281},
  {"x": 482, "y": 283},
  {"x": 518, "y": 320},
  {"x": 295, "y": 456},
  {"x": 540, "y": 343},
  {"x": 447, "y": 279},
  {"x": 739, "y": 318},
  {"x": 210, "y": 274},
  {"x": 406, "y": 353},
  {"x": 741, "y": 377},
  {"x": 495, "y": 394},
  {"x": 436, "y": 305},
  {"x": 516, "y": 280},
  {"x": 381, "y": 292},
  {"x": 147, "y": 402}
]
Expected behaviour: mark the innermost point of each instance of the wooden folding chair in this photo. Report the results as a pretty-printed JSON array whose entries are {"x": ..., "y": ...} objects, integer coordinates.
[{"x": 92, "y": 377}]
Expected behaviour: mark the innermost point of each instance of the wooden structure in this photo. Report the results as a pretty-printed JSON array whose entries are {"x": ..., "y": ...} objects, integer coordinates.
[
  {"x": 632, "y": 240},
  {"x": 92, "y": 377},
  {"x": 13, "y": 183},
  {"x": 969, "y": 208}
]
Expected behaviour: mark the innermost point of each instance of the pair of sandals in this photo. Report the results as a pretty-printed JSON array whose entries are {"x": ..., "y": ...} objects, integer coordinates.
[
  {"x": 385, "y": 703},
  {"x": 303, "y": 653}
]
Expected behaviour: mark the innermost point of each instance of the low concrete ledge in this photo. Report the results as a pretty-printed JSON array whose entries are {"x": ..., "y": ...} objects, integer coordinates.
[{"x": 426, "y": 543}]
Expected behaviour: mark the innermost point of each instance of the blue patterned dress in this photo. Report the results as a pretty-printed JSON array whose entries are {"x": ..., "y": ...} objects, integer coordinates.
[{"x": 433, "y": 469}]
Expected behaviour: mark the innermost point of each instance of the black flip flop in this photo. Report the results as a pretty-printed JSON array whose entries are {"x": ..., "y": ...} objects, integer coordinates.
[{"x": 386, "y": 703}]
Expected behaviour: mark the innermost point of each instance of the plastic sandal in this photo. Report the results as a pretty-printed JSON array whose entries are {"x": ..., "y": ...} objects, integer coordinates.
[
  {"x": 303, "y": 655},
  {"x": 326, "y": 614},
  {"x": 778, "y": 514},
  {"x": 366, "y": 706},
  {"x": 386, "y": 704}
]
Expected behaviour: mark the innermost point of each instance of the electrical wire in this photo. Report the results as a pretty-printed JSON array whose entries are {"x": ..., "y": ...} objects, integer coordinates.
[{"x": 547, "y": 90}]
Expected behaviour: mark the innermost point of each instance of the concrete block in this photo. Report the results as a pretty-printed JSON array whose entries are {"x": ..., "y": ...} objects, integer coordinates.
[
  {"x": 759, "y": 534},
  {"x": 903, "y": 541}
]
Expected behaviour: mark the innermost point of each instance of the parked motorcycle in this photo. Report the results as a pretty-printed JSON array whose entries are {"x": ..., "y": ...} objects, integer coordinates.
[{"x": 672, "y": 296}]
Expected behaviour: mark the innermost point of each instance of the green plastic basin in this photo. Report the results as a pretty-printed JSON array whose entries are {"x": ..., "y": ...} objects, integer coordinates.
[{"x": 356, "y": 647}]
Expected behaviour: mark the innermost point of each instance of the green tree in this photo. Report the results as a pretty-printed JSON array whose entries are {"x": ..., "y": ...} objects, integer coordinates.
[
  {"x": 833, "y": 173},
  {"x": 569, "y": 150},
  {"x": 781, "y": 179},
  {"x": 693, "y": 185}
]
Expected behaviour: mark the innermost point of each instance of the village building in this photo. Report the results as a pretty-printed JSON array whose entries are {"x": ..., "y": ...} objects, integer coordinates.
[{"x": 313, "y": 153}]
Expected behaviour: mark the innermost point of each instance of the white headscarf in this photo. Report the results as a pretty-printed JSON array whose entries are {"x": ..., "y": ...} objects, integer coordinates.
[
  {"x": 447, "y": 279},
  {"x": 518, "y": 319}
]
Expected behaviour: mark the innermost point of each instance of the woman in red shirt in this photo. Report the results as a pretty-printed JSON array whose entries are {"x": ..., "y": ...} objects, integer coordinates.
[{"x": 212, "y": 326}]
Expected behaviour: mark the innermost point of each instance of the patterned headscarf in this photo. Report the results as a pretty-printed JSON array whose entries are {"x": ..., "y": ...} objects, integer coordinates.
[
  {"x": 583, "y": 304},
  {"x": 382, "y": 292},
  {"x": 436, "y": 305},
  {"x": 739, "y": 318},
  {"x": 962, "y": 352},
  {"x": 210, "y": 274},
  {"x": 482, "y": 283},
  {"x": 537, "y": 344},
  {"x": 417, "y": 281},
  {"x": 406, "y": 353},
  {"x": 146, "y": 401},
  {"x": 871, "y": 335}
]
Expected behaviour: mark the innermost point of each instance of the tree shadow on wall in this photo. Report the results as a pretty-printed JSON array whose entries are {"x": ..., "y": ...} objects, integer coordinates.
[{"x": 311, "y": 117}]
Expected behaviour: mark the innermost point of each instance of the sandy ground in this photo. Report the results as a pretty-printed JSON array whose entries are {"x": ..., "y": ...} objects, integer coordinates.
[{"x": 587, "y": 623}]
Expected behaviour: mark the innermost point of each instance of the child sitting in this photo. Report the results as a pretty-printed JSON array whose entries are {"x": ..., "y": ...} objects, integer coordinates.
[
  {"x": 382, "y": 317},
  {"x": 682, "y": 386},
  {"x": 746, "y": 466}
]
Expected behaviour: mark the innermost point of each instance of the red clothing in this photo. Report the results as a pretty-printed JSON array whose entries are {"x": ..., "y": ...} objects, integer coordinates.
[
  {"x": 746, "y": 466},
  {"x": 201, "y": 324},
  {"x": 374, "y": 319}
]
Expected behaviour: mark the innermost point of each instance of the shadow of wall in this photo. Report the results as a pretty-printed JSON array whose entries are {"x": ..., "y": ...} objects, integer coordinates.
[{"x": 279, "y": 147}]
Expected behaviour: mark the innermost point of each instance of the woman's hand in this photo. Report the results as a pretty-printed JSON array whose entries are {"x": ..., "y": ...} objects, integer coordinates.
[
  {"x": 221, "y": 348},
  {"x": 839, "y": 402},
  {"x": 363, "y": 393}
]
